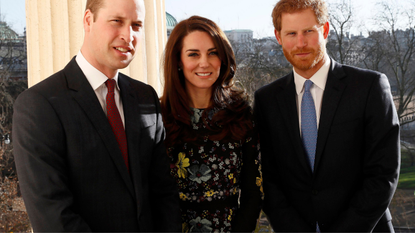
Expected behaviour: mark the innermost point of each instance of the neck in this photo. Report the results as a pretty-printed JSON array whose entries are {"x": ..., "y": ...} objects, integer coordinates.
[
  {"x": 110, "y": 73},
  {"x": 200, "y": 98}
]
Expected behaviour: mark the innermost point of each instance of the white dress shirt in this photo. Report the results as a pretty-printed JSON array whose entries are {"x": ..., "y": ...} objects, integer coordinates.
[
  {"x": 97, "y": 80},
  {"x": 319, "y": 80}
]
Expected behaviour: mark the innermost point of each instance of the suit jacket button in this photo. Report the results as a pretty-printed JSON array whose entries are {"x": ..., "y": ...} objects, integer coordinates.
[{"x": 314, "y": 192}]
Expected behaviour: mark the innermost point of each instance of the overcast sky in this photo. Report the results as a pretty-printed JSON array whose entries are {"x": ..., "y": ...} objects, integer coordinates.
[
  {"x": 242, "y": 14},
  {"x": 228, "y": 14},
  {"x": 13, "y": 12}
]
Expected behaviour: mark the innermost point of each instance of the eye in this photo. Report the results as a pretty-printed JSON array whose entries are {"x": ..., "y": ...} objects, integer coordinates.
[
  {"x": 215, "y": 53},
  {"x": 192, "y": 54},
  {"x": 116, "y": 22},
  {"x": 137, "y": 27}
]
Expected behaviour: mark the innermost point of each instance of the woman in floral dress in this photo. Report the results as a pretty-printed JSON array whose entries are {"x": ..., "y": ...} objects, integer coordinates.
[{"x": 211, "y": 137}]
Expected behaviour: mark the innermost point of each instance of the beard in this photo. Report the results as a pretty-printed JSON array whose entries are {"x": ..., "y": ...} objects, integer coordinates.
[{"x": 316, "y": 56}]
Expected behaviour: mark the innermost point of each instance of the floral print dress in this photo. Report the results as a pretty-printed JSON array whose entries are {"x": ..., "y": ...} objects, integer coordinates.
[{"x": 212, "y": 175}]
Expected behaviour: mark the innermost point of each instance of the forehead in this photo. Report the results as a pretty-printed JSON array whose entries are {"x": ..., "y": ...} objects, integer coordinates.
[
  {"x": 298, "y": 20},
  {"x": 198, "y": 40},
  {"x": 131, "y": 9}
]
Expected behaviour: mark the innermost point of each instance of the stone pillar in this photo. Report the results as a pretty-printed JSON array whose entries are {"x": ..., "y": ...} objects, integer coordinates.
[{"x": 55, "y": 34}]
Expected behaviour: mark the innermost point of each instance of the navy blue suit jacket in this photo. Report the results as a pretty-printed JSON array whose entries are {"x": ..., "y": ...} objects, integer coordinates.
[
  {"x": 357, "y": 156},
  {"x": 71, "y": 172}
]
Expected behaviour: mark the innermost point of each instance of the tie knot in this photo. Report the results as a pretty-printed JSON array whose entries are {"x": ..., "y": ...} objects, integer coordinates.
[
  {"x": 307, "y": 85},
  {"x": 110, "y": 85}
]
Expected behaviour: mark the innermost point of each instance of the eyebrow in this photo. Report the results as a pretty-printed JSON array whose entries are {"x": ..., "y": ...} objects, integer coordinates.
[
  {"x": 307, "y": 28},
  {"x": 197, "y": 50},
  {"x": 123, "y": 18}
]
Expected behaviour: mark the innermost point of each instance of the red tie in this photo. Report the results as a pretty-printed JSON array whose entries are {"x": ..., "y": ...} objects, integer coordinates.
[{"x": 115, "y": 121}]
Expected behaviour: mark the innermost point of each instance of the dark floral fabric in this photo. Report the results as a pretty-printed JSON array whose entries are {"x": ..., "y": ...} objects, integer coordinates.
[{"x": 212, "y": 175}]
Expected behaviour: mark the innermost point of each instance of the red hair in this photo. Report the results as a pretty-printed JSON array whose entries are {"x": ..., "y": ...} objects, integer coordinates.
[{"x": 319, "y": 8}]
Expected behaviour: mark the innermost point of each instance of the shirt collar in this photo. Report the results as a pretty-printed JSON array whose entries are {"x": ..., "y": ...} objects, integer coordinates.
[
  {"x": 319, "y": 78},
  {"x": 95, "y": 77}
]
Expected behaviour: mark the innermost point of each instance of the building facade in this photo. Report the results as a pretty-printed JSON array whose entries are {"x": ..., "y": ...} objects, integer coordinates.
[
  {"x": 170, "y": 23},
  {"x": 13, "y": 57}
]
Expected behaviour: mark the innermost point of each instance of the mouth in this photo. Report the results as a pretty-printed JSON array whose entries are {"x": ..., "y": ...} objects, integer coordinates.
[
  {"x": 122, "y": 50},
  {"x": 203, "y": 74},
  {"x": 302, "y": 54}
]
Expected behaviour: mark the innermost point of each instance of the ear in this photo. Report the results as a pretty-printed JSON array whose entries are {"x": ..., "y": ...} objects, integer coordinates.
[
  {"x": 88, "y": 19},
  {"x": 326, "y": 29},
  {"x": 278, "y": 36}
]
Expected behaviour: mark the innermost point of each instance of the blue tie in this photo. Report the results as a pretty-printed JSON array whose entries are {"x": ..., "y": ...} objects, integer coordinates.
[{"x": 309, "y": 123}]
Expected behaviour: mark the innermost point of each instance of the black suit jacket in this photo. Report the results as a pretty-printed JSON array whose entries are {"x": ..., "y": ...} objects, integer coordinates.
[
  {"x": 71, "y": 172},
  {"x": 357, "y": 156}
]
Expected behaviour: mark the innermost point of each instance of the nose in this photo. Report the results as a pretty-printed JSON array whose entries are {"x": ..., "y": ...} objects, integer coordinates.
[
  {"x": 204, "y": 62},
  {"x": 127, "y": 34},
  {"x": 301, "y": 40}
]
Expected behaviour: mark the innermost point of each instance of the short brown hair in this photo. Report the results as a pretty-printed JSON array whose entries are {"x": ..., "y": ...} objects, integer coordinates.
[
  {"x": 94, "y": 6},
  {"x": 290, "y": 6}
]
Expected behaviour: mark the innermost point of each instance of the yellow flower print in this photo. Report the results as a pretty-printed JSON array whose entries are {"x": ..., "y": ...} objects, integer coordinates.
[
  {"x": 183, "y": 196},
  {"x": 234, "y": 191},
  {"x": 230, "y": 215},
  {"x": 231, "y": 178},
  {"x": 181, "y": 164},
  {"x": 259, "y": 183},
  {"x": 185, "y": 227},
  {"x": 210, "y": 193}
]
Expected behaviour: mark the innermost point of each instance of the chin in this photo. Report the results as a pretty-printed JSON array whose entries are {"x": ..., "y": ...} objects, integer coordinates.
[
  {"x": 124, "y": 64},
  {"x": 302, "y": 65}
]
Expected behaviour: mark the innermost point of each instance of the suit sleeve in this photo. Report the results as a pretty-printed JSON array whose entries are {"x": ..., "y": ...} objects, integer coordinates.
[
  {"x": 280, "y": 213},
  {"x": 381, "y": 162},
  {"x": 250, "y": 197},
  {"x": 40, "y": 150},
  {"x": 164, "y": 195}
]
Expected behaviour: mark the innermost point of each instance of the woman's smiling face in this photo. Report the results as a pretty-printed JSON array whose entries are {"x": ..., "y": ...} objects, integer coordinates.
[{"x": 199, "y": 61}]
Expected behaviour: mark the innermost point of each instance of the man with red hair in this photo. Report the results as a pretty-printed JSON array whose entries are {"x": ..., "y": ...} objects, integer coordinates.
[{"x": 329, "y": 134}]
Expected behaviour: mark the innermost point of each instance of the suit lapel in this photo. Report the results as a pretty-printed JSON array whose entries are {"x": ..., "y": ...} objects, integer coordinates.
[
  {"x": 332, "y": 95},
  {"x": 133, "y": 126},
  {"x": 288, "y": 105},
  {"x": 85, "y": 96}
]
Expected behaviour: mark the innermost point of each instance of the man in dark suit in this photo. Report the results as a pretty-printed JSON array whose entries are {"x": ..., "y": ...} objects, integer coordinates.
[
  {"x": 80, "y": 170},
  {"x": 330, "y": 147}
]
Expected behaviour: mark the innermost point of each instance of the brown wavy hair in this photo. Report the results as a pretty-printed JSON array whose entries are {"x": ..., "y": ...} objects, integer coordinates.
[
  {"x": 232, "y": 112},
  {"x": 290, "y": 6}
]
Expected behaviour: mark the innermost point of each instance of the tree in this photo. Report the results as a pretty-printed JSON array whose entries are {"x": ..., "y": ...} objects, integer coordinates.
[
  {"x": 12, "y": 65},
  {"x": 374, "y": 54},
  {"x": 342, "y": 46},
  {"x": 12, "y": 69},
  {"x": 264, "y": 63},
  {"x": 396, "y": 44}
]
